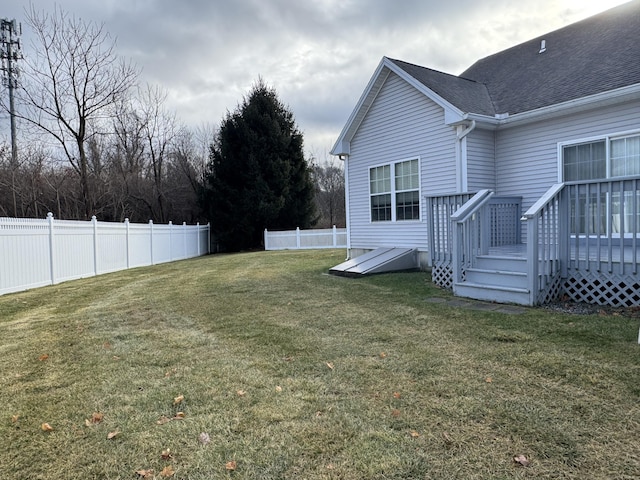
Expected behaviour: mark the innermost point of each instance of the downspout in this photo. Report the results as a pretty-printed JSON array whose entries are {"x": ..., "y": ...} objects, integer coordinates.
[
  {"x": 461, "y": 147},
  {"x": 345, "y": 158}
]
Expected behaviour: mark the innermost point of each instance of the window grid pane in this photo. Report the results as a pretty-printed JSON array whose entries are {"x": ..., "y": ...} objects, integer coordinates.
[
  {"x": 380, "y": 179},
  {"x": 587, "y": 161},
  {"x": 381, "y": 208},
  {"x": 407, "y": 176},
  {"x": 625, "y": 156},
  {"x": 408, "y": 206}
]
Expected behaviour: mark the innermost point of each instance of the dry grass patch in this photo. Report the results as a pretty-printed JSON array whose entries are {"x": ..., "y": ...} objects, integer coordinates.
[{"x": 292, "y": 373}]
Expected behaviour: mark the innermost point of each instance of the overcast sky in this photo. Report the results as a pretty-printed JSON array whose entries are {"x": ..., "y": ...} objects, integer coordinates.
[{"x": 318, "y": 55}]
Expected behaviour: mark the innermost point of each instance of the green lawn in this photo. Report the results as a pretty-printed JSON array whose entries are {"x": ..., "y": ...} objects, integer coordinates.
[{"x": 292, "y": 373}]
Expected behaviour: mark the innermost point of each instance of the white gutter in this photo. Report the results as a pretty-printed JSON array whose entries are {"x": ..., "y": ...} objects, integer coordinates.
[{"x": 579, "y": 104}]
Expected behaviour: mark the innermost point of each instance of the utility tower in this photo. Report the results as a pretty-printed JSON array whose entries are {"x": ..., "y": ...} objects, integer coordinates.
[{"x": 9, "y": 56}]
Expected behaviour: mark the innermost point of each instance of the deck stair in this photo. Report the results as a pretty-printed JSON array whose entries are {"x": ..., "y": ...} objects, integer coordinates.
[{"x": 496, "y": 277}]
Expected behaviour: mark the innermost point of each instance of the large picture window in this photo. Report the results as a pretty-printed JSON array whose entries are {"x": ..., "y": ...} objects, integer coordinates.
[{"x": 395, "y": 191}]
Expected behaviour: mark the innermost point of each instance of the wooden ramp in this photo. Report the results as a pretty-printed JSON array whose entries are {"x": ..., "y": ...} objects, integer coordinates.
[{"x": 380, "y": 260}]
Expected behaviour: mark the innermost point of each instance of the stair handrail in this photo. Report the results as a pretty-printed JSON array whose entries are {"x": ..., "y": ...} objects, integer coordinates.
[
  {"x": 462, "y": 232},
  {"x": 540, "y": 250},
  {"x": 472, "y": 206},
  {"x": 543, "y": 201}
]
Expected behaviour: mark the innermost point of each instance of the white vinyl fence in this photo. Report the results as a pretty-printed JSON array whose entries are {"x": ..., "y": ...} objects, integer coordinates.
[
  {"x": 305, "y": 239},
  {"x": 38, "y": 252}
]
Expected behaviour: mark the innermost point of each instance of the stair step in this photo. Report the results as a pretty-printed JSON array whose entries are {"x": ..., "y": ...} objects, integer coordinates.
[
  {"x": 504, "y": 278},
  {"x": 492, "y": 293},
  {"x": 511, "y": 264}
]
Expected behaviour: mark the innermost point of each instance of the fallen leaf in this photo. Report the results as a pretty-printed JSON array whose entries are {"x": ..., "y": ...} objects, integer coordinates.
[
  {"x": 383, "y": 355},
  {"x": 97, "y": 417},
  {"x": 396, "y": 395},
  {"x": 241, "y": 393},
  {"x": 179, "y": 416},
  {"x": 330, "y": 466},
  {"x": 178, "y": 399},
  {"x": 414, "y": 434},
  {"x": 87, "y": 422},
  {"x": 43, "y": 357},
  {"x": 232, "y": 465},
  {"x": 395, "y": 412},
  {"x": 521, "y": 460},
  {"x": 166, "y": 454},
  {"x": 167, "y": 472},
  {"x": 203, "y": 438},
  {"x": 163, "y": 420},
  {"x": 330, "y": 365},
  {"x": 145, "y": 473},
  {"x": 113, "y": 434},
  {"x": 46, "y": 427},
  {"x": 488, "y": 380},
  {"x": 115, "y": 357},
  {"x": 14, "y": 418},
  {"x": 278, "y": 388},
  {"x": 106, "y": 346}
]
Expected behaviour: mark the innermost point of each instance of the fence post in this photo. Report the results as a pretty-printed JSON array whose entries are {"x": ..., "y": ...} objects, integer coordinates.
[
  {"x": 335, "y": 237},
  {"x": 170, "y": 241},
  {"x": 208, "y": 238},
  {"x": 126, "y": 229},
  {"x": 151, "y": 239},
  {"x": 52, "y": 269},
  {"x": 298, "y": 237},
  {"x": 94, "y": 223},
  {"x": 198, "y": 235},
  {"x": 266, "y": 239},
  {"x": 184, "y": 238}
]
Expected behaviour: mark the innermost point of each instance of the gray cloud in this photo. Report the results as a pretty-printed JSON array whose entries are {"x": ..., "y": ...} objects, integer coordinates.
[{"x": 318, "y": 55}]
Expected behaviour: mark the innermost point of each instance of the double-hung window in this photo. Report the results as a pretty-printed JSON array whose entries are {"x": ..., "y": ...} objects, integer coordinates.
[{"x": 395, "y": 191}]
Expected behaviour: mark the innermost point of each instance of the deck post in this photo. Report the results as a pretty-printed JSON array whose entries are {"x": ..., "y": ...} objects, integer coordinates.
[{"x": 532, "y": 258}]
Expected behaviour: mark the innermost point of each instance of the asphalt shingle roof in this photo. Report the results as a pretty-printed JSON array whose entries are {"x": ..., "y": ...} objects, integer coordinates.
[{"x": 595, "y": 55}]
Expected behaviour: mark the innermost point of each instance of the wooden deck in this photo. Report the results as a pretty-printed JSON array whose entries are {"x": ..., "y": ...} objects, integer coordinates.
[{"x": 627, "y": 254}]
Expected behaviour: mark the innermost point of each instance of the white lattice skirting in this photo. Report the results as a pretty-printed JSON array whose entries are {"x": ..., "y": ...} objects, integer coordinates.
[
  {"x": 602, "y": 289},
  {"x": 442, "y": 275},
  {"x": 552, "y": 292}
]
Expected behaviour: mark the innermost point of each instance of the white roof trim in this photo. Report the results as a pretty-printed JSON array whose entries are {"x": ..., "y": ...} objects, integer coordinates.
[
  {"x": 572, "y": 106},
  {"x": 385, "y": 67}
]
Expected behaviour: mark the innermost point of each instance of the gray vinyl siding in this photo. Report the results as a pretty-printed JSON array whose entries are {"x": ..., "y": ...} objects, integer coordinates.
[
  {"x": 527, "y": 155},
  {"x": 401, "y": 124},
  {"x": 481, "y": 165}
]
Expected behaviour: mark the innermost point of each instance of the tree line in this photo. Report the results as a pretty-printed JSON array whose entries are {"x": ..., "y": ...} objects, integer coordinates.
[{"x": 93, "y": 141}]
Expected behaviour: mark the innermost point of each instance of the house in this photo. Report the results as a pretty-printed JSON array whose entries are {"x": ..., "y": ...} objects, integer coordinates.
[{"x": 518, "y": 180}]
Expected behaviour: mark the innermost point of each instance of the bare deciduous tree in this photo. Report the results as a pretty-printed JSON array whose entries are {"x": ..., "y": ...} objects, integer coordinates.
[
  {"x": 71, "y": 84},
  {"x": 330, "y": 193}
]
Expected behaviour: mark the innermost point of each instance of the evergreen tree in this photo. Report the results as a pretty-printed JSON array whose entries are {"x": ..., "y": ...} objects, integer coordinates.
[{"x": 257, "y": 175}]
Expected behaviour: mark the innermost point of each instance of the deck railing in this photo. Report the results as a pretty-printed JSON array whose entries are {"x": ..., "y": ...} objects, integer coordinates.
[
  {"x": 604, "y": 219},
  {"x": 546, "y": 230},
  {"x": 471, "y": 227},
  {"x": 495, "y": 223}
]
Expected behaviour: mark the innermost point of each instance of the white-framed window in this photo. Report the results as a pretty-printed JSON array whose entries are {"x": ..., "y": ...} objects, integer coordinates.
[
  {"x": 600, "y": 158},
  {"x": 607, "y": 157},
  {"x": 394, "y": 191}
]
